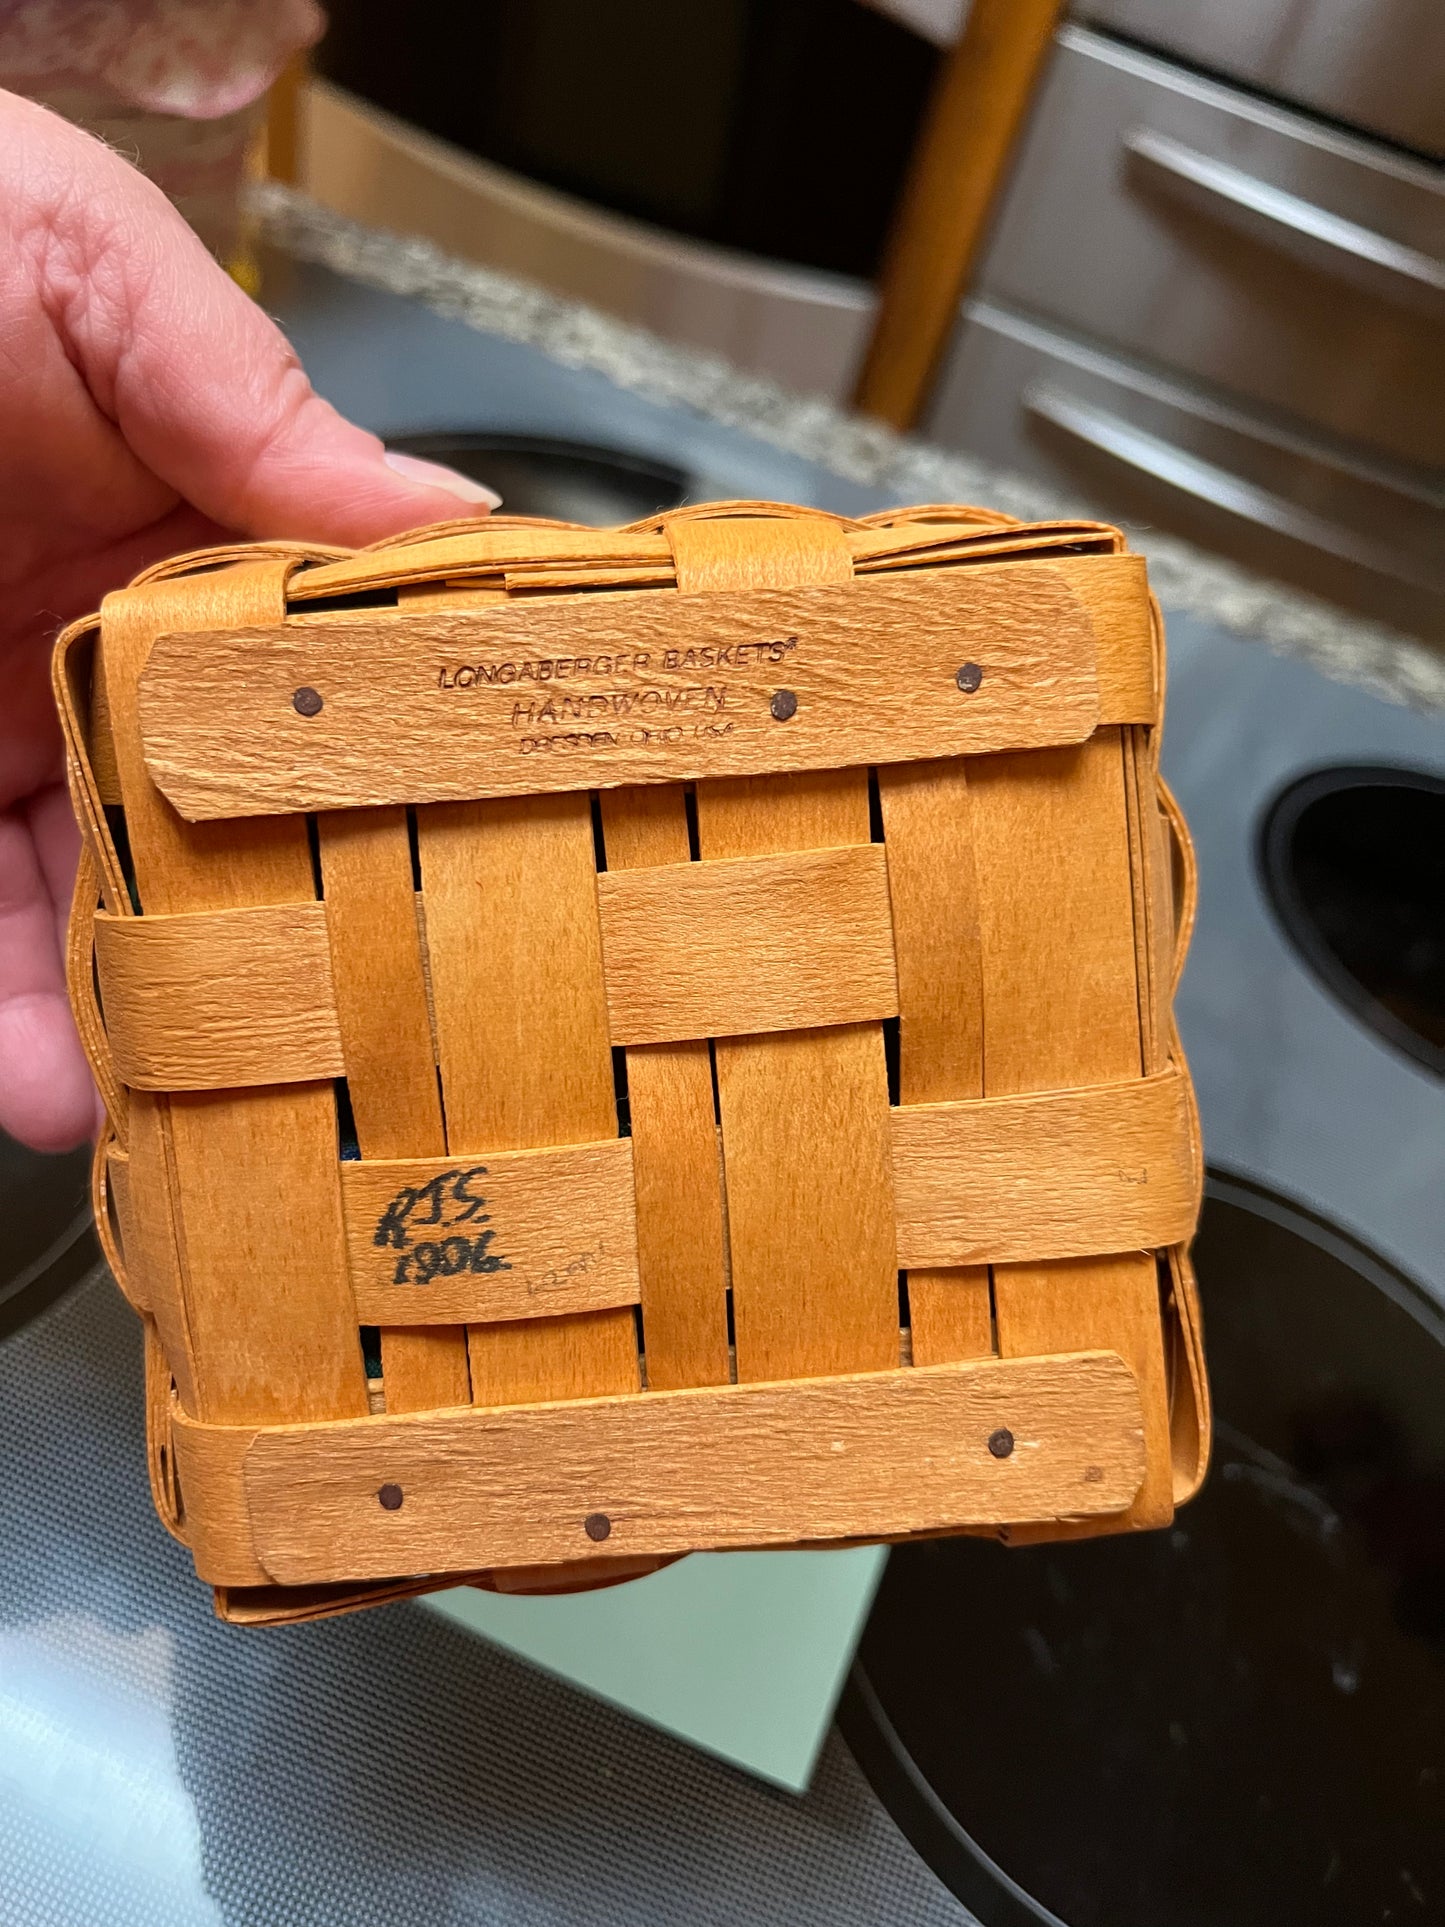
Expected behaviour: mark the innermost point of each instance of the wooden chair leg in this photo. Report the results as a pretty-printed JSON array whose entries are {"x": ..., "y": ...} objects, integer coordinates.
[
  {"x": 283, "y": 122},
  {"x": 961, "y": 157}
]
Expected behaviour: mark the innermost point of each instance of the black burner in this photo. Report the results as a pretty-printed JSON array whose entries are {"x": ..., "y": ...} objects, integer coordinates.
[
  {"x": 1354, "y": 865},
  {"x": 1236, "y": 1723},
  {"x": 46, "y": 1238},
  {"x": 570, "y": 481}
]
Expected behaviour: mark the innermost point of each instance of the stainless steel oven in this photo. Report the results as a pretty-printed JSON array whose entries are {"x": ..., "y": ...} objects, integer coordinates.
[{"x": 1205, "y": 308}]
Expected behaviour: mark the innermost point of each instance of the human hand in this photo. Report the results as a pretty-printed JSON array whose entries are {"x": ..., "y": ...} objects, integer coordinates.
[{"x": 146, "y": 407}]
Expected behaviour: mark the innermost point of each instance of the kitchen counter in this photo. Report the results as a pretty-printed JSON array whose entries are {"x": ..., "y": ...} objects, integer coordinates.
[{"x": 407, "y": 338}]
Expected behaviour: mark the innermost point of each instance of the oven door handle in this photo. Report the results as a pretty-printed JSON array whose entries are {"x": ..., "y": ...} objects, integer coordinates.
[
  {"x": 1110, "y": 434},
  {"x": 1309, "y": 234}
]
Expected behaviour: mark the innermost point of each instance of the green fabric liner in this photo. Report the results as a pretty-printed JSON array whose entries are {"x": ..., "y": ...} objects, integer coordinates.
[{"x": 740, "y": 1653}]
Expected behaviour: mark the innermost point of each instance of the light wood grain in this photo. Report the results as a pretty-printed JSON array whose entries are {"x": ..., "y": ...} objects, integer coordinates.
[
  {"x": 102, "y": 748},
  {"x": 677, "y": 1166},
  {"x": 1165, "y": 882},
  {"x": 1152, "y": 873},
  {"x": 246, "y": 1181},
  {"x": 379, "y": 975},
  {"x": 498, "y": 552},
  {"x": 957, "y": 168},
  {"x": 154, "y": 1278},
  {"x": 804, "y": 1113},
  {"x": 267, "y": 1605},
  {"x": 590, "y": 576},
  {"x": 1061, "y": 1009},
  {"x": 567, "y": 1576},
  {"x": 1115, "y": 591},
  {"x": 88, "y": 749},
  {"x": 82, "y": 989},
  {"x": 934, "y": 898},
  {"x": 675, "y": 686},
  {"x": 810, "y": 1209},
  {"x": 933, "y": 890},
  {"x": 1111, "y": 584},
  {"x": 584, "y": 1283},
  {"x": 215, "y": 1000},
  {"x": 546, "y": 1232},
  {"x": 114, "y": 1212},
  {"x": 516, "y": 970},
  {"x": 380, "y": 983},
  {"x": 759, "y": 943},
  {"x": 485, "y": 552},
  {"x": 160, "y": 1450},
  {"x": 1060, "y": 1174},
  {"x": 950, "y": 1313},
  {"x": 1056, "y": 918},
  {"x": 1191, "y": 1411},
  {"x": 896, "y": 1451},
  {"x": 1183, "y": 878}
]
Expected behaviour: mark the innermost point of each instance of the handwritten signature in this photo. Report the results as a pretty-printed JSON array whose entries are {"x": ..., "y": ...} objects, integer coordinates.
[{"x": 443, "y": 1203}]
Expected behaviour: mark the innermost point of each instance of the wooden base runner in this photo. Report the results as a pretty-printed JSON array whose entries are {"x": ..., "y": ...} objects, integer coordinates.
[{"x": 735, "y": 1465}]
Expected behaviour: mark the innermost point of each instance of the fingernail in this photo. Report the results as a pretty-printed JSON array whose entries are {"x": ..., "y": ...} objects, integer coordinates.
[{"x": 437, "y": 475}]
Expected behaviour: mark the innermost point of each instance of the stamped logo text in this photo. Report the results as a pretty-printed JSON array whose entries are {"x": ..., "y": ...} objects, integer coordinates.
[{"x": 642, "y": 704}]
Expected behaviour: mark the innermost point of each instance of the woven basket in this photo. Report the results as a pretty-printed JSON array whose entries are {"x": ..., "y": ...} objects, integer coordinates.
[{"x": 619, "y": 1042}]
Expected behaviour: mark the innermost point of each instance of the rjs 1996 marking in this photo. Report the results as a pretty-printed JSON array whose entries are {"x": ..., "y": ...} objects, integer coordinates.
[{"x": 444, "y": 1202}]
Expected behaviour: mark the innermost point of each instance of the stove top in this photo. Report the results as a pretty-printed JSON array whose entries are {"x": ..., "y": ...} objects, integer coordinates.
[{"x": 161, "y": 1768}]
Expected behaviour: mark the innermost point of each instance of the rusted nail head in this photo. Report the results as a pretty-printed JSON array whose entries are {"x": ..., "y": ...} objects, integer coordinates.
[
  {"x": 969, "y": 677},
  {"x": 1001, "y": 1442},
  {"x": 391, "y": 1498},
  {"x": 597, "y": 1526},
  {"x": 784, "y": 705},
  {"x": 307, "y": 702}
]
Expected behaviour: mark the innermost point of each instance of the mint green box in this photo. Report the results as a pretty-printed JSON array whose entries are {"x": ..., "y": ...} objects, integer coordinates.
[{"x": 741, "y": 1653}]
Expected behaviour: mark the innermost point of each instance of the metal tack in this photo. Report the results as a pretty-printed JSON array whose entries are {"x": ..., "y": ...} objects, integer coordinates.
[
  {"x": 969, "y": 677},
  {"x": 307, "y": 702},
  {"x": 784, "y": 705},
  {"x": 1001, "y": 1442}
]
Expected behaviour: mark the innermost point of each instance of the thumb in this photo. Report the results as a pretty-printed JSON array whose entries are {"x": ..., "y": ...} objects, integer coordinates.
[{"x": 204, "y": 388}]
